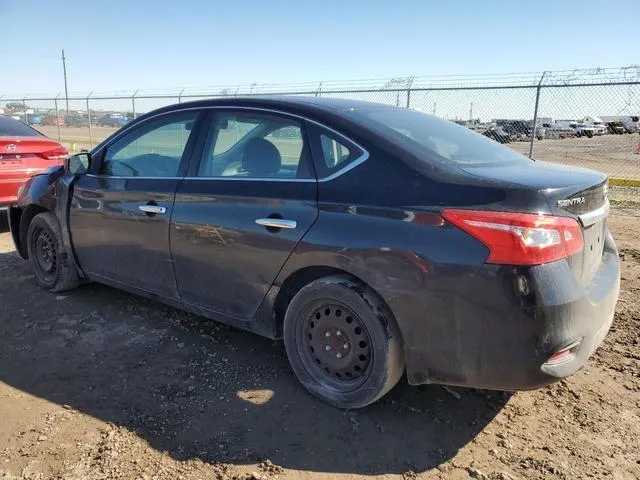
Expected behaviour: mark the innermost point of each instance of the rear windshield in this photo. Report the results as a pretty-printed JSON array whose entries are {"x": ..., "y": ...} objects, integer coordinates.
[
  {"x": 445, "y": 139},
  {"x": 13, "y": 128}
]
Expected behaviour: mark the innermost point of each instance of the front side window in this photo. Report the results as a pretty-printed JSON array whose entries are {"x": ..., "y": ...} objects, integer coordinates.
[
  {"x": 154, "y": 149},
  {"x": 255, "y": 146}
]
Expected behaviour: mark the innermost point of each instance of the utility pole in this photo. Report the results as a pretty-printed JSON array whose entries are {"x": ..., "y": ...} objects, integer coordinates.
[{"x": 64, "y": 69}]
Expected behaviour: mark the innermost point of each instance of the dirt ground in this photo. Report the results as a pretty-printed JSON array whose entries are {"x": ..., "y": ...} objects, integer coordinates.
[{"x": 99, "y": 384}]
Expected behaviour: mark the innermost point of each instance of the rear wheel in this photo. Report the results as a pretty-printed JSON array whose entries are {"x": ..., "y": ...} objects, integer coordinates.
[
  {"x": 49, "y": 259},
  {"x": 343, "y": 342}
]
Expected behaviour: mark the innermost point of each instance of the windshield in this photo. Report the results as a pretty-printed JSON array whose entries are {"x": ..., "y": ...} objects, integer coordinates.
[
  {"x": 437, "y": 136},
  {"x": 13, "y": 128}
]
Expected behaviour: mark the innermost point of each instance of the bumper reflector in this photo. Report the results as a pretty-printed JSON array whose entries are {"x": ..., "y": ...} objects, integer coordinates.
[{"x": 565, "y": 354}]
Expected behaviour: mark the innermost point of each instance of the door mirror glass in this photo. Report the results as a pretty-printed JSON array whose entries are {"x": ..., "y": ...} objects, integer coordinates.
[{"x": 77, "y": 164}]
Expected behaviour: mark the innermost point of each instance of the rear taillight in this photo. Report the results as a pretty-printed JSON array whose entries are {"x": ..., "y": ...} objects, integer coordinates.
[
  {"x": 520, "y": 238},
  {"x": 58, "y": 153}
]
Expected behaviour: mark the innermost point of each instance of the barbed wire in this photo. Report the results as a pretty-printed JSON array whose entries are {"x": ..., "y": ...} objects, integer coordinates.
[{"x": 621, "y": 75}]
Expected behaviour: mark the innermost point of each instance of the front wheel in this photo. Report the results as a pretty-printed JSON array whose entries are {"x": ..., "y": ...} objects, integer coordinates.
[
  {"x": 49, "y": 259},
  {"x": 342, "y": 342}
]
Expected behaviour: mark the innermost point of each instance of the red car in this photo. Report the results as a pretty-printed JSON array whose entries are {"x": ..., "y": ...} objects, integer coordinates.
[{"x": 23, "y": 152}]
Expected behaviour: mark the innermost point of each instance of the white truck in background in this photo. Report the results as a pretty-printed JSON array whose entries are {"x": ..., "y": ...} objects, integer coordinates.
[
  {"x": 579, "y": 129},
  {"x": 597, "y": 123}
]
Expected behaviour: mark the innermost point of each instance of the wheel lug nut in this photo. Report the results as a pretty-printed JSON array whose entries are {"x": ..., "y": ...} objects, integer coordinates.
[
  {"x": 327, "y": 348},
  {"x": 339, "y": 332},
  {"x": 339, "y": 355},
  {"x": 346, "y": 346},
  {"x": 328, "y": 334}
]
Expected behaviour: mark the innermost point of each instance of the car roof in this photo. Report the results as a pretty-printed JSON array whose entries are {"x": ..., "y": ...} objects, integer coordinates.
[
  {"x": 320, "y": 103},
  {"x": 334, "y": 112},
  {"x": 317, "y": 108}
]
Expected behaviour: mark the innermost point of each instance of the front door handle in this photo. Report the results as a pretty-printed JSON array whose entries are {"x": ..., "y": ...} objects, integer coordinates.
[
  {"x": 152, "y": 209},
  {"x": 276, "y": 223}
]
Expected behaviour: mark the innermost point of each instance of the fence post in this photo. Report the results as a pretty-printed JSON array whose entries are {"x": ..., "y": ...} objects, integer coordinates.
[
  {"x": 24, "y": 109},
  {"x": 133, "y": 104},
  {"x": 409, "y": 83},
  {"x": 89, "y": 122},
  {"x": 180, "y": 96},
  {"x": 55, "y": 103},
  {"x": 535, "y": 114}
]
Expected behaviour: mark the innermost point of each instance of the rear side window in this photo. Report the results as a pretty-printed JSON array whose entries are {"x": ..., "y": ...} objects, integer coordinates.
[
  {"x": 332, "y": 152},
  {"x": 255, "y": 145},
  {"x": 10, "y": 127},
  {"x": 431, "y": 137}
]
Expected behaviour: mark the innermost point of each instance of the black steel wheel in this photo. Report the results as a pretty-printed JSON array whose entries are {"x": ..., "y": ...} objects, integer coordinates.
[
  {"x": 337, "y": 344},
  {"x": 343, "y": 342},
  {"x": 49, "y": 259},
  {"x": 45, "y": 254}
]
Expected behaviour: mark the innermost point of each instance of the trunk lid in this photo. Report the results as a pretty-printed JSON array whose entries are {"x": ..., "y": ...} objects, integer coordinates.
[
  {"x": 21, "y": 146},
  {"x": 569, "y": 191}
]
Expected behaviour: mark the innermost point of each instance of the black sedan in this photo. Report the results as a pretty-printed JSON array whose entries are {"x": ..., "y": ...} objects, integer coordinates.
[{"x": 375, "y": 240}]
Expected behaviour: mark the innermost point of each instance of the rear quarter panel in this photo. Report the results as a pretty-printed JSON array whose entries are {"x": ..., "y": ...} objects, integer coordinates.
[{"x": 387, "y": 231}]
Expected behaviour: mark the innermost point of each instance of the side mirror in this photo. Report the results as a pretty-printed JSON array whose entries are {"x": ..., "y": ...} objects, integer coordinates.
[{"x": 77, "y": 164}]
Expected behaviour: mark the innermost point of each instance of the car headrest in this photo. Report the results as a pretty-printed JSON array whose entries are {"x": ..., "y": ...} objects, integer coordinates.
[{"x": 261, "y": 158}]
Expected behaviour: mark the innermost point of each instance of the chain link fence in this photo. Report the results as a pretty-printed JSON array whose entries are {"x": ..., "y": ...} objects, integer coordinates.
[{"x": 586, "y": 118}]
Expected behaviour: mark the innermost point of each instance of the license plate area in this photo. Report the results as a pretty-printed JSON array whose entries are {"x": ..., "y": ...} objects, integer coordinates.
[
  {"x": 594, "y": 237},
  {"x": 6, "y": 163}
]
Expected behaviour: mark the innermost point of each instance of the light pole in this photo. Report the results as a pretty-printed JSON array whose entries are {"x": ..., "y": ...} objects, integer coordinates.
[{"x": 64, "y": 70}]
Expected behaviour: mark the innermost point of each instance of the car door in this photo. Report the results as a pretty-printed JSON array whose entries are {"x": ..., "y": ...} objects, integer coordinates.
[
  {"x": 120, "y": 210},
  {"x": 247, "y": 203}
]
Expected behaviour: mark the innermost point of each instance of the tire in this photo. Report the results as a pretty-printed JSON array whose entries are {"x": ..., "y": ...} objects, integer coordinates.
[
  {"x": 49, "y": 259},
  {"x": 338, "y": 314}
]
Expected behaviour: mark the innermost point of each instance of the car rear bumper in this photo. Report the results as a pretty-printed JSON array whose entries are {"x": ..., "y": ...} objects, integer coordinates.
[
  {"x": 9, "y": 189},
  {"x": 501, "y": 332}
]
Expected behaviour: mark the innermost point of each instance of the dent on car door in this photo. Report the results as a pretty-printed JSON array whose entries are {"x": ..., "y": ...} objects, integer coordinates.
[
  {"x": 245, "y": 206},
  {"x": 120, "y": 211}
]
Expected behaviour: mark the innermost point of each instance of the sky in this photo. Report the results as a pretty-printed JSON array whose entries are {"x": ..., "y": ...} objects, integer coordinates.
[{"x": 114, "y": 45}]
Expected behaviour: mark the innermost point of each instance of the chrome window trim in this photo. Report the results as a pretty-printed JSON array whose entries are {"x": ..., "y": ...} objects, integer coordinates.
[
  {"x": 594, "y": 216},
  {"x": 351, "y": 165}
]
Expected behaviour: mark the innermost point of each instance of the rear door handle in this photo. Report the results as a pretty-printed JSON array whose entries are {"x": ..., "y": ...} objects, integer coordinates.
[
  {"x": 152, "y": 209},
  {"x": 276, "y": 223}
]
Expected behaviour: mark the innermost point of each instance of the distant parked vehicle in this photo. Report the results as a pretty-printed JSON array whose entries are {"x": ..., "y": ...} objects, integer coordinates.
[
  {"x": 498, "y": 134},
  {"x": 77, "y": 120},
  {"x": 560, "y": 133},
  {"x": 113, "y": 120},
  {"x": 53, "y": 120},
  {"x": 520, "y": 130},
  {"x": 600, "y": 127},
  {"x": 631, "y": 123},
  {"x": 31, "y": 119},
  {"x": 616, "y": 128},
  {"x": 585, "y": 130},
  {"x": 23, "y": 152}
]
